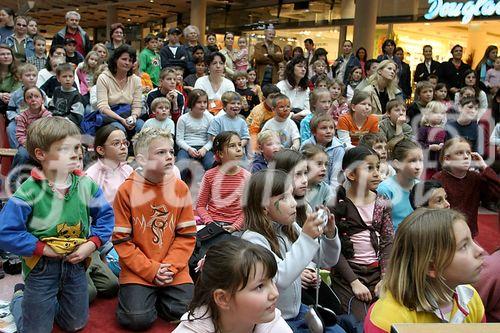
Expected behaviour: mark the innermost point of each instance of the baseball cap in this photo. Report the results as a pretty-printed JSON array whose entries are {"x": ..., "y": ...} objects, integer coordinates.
[
  {"x": 69, "y": 41},
  {"x": 175, "y": 31}
]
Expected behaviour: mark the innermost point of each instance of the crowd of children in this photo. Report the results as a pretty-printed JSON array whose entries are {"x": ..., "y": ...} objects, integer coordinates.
[{"x": 331, "y": 185}]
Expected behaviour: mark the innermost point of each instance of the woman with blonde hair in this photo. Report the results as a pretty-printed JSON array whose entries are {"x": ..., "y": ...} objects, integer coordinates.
[{"x": 383, "y": 86}]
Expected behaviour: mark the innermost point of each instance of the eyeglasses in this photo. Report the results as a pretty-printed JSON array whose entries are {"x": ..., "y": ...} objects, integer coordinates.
[
  {"x": 21, "y": 25},
  {"x": 118, "y": 144}
]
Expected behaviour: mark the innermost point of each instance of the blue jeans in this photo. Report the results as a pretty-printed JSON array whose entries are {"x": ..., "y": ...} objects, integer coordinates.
[
  {"x": 55, "y": 290},
  {"x": 207, "y": 161},
  {"x": 22, "y": 157},
  {"x": 299, "y": 325},
  {"x": 11, "y": 134}
]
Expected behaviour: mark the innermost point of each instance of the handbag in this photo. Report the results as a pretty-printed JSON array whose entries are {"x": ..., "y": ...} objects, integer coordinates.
[
  {"x": 123, "y": 110},
  {"x": 211, "y": 234},
  {"x": 317, "y": 317}
]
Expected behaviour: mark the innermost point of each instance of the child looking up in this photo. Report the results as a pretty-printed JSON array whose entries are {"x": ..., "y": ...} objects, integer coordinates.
[
  {"x": 407, "y": 159},
  {"x": 323, "y": 130},
  {"x": 415, "y": 291},
  {"x": 364, "y": 221},
  {"x": 270, "y": 222},
  {"x": 54, "y": 220},
  {"x": 221, "y": 190},
  {"x": 429, "y": 194},
  {"x": 431, "y": 135},
  {"x": 320, "y": 103},
  {"x": 268, "y": 144},
  {"x": 160, "y": 108},
  {"x": 235, "y": 292},
  {"x": 33, "y": 97},
  {"x": 192, "y": 130},
  {"x": 393, "y": 124},
  {"x": 319, "y": 193},
  {"x": 358, "y": 122},
  {"x": 282, "y": 124},
  {"x": 66, "y": 100},
  {"x": 154, "y": 279},
  {"x": 466, "y": 188}
]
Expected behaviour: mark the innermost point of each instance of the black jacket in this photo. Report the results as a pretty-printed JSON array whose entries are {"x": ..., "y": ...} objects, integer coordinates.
[
  {"x": 405, "y": 80},
  {"x": 421, "y": 72},
  {"x": 168, "y": 59},
  {"x": 452, "y": 76}
]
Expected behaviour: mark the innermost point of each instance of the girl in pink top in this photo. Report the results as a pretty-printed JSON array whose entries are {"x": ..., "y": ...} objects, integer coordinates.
[
  {"x": 111, "y": 169},
  {"x": 364, "y": 224},
  {"x": 85, "y": 71},
  {"x": 241, "y": 62},
  {"x": 221, "y": 190}
]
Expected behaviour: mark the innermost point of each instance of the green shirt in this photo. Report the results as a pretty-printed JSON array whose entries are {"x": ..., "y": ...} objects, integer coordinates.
[
  {"x": 150, "y": 63},
  {"x": 9, "y": 84}
]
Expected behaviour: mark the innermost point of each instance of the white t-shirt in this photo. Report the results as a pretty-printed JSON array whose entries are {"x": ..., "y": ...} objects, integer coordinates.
[
  {"x": 167, "y": 124},
  {"x": 203, "y": 83},
  {"x": 286, "y": 130}
]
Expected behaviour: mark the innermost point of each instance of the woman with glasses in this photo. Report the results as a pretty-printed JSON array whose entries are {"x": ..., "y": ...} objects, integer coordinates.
[
  {"x": 117, "y": 37},
  {"x": 20, "y": 42}
]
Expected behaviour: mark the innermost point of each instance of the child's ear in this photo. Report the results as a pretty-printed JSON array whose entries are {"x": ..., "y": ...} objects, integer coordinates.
[
  {"x": 222, "y": 299},
  {"x": 396, "y": 164},
  {"x": 141, "y": 159},
  {"x": 39, "y": 154},
  {"x": 350, "y": 174},
  {"x": 99, "y": 150}
]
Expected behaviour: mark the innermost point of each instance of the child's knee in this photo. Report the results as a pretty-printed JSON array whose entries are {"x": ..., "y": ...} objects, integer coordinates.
[
  {"x": 138, "y": 321},
  {"x": 73, "y": 325}
]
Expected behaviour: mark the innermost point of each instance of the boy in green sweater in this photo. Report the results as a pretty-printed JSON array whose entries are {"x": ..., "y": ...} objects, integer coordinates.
[
  {"x": 55, "y": 220},
  {"x": 149, "y": 59}
]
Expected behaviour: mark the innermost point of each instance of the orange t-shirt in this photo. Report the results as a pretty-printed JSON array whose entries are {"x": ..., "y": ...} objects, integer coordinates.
[
  {"x": 346, "y": 123},
  {"x": 154, "y": 224}
]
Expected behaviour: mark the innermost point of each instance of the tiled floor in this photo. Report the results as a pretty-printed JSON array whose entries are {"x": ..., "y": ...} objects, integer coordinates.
[{"x": 7, "y": 286}]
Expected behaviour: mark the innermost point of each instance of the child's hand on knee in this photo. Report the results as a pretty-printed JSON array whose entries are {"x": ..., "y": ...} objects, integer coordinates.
[
  {"x": 81, "y": 253},
  {"x": 361, "y": 291}
]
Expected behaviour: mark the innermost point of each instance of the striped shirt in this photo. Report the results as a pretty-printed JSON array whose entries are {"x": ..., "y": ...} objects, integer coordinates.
[{"x": 220, "y": 197}]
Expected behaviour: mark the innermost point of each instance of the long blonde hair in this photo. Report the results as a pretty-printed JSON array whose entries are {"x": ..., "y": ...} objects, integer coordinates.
[
  {"x": 424, "y": 238},
  {"x": 392, "y": 87}
]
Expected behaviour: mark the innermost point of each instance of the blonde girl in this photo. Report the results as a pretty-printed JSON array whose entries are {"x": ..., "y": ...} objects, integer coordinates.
[
  {"x": 433, "y": 261},
  {"x": 235, "y": 291},
  {"x": 408, "y": 161},
  {"x": 466, "y": 188},
  {"x": 102, "y": 51},
  {"x": 358, "y": 121},
  {"x": 339, "y": 103},
  {"x": 431, "y": 134},
  {"x": 364, "y": 221},
  {"x": 270, "y": 222},
  {"x": 241, "y": 57},
  {"x": 85, "y": 71},
  {"x": 221, "y": 189},
  {"x": 320, "y": 102},
  {"x": 383, "y": 86}
]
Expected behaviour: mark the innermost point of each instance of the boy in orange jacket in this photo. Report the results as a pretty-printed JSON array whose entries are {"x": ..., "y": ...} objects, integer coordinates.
[{"x": 154, "y": 236}]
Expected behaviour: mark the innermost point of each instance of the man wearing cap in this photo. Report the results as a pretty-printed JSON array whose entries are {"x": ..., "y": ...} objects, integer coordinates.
[
  {"x": 149, "y": 59},
  {"x": 73, "y": 30},
  {"x": 267, "y": 58},
  {"x": 173, "y": 54},
  {"x": 72, "y": 55}
]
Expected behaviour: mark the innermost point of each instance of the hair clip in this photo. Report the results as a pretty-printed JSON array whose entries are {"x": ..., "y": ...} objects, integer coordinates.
[{"x": 199, "y": 266}]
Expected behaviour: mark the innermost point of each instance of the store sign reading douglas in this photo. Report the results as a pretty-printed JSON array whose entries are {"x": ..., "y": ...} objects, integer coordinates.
[{"x": 467, "y": 9}]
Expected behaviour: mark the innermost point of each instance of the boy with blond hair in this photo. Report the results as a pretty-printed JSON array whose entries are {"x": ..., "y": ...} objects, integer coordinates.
[
  {"x": 268, "y": 144},
  {"x": 56, "y": 219},
  {"x": 154, "y": 236}
]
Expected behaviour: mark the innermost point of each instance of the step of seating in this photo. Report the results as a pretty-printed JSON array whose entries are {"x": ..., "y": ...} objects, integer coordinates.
[{"x": 8, "y": 152}]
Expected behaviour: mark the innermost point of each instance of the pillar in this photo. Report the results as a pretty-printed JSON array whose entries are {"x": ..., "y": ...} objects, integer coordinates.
[
  {"x": 199, "y": 16},
  {"x": 347, "y": 8},
  {"x": 365, "y": 21},
  {"x": 111, "y": 17}
]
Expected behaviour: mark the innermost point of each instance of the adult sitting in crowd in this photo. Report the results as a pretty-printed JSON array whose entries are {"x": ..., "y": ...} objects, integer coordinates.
[
  {"x": 32, "y": 27},
  {"x": 487, "y": 62},
  {"x": 116, "y": 36},
  {"x": 173, "y": 54},
  {"x": 344, "y": 64},
  {"x": 452, "y": 72},
  {"x": 296, "y": 87},
  {"x": 192, "y": 36},
  {"x": 267, "y": 57},
  {"x": 383, "y": 86},
  {"x": 73, "y": 30},
  {"x": 119, "y": 92},
  {"x": 426, "y": 68},
  {"x": 6, "y": 23},
  {"x": 229, "y": 53},
  {"x": 20, "y": 41},
  {"x": 8, "y": 78},
  {"x": 214, "y": 84}
]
